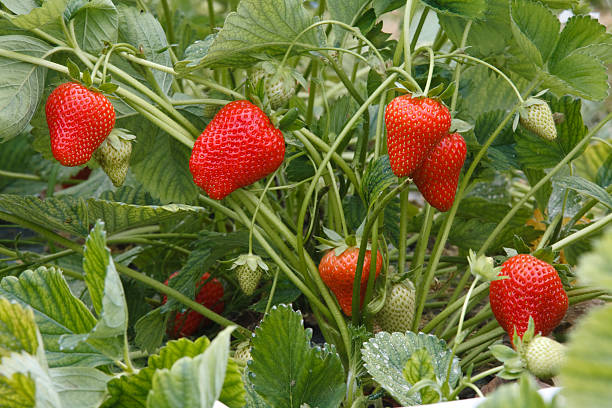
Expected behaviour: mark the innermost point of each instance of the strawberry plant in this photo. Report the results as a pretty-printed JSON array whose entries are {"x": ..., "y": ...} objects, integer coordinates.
[{"x": 278, "y": 203}]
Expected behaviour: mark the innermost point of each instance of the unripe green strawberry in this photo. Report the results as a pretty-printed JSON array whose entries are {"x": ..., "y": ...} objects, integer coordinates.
[
  {"x": 544, "y": 357},
  {"x": 279, "y": 83},
  {"x": 398, "y": 312},
  {"x": 537, "y": 117},
  {"x": 243, "y": 352},
  {"x": 249, "y": 269},
  {"x": 114, "y": 155}
]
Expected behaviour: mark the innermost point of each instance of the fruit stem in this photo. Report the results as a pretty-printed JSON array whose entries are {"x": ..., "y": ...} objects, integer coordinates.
[
  {"x": 312, "y": 92},
  {"x": 458, "y": 68},
  {"x": 212, "y": 85},
  {"x": 272, "y": 290},
  {"x": 346, "y": 81},
  {"x": 417, "y": 265},
  {"x": 261, "y": 197},
  {"x": 419, "y": 28},
  {"x": 549, "y": 231},
  {"x": 169, "y": 23},
  {"x": 486, "y": 64},
  {"x": 211, "y": 15},
  {"x": 22, "y": 176},
  {"x": 371, "y": 219},
  {"x": 542, "y": 182},
  {"x": 578, "y": 235},
  {"x": 201, "y": 101},
  {"x": 431, "y": 69},
  {"x": 406, "y": 32}
]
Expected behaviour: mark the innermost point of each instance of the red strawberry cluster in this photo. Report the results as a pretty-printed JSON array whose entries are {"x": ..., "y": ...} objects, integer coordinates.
[
  {"x": 209, "y": 293},
  {"x": 532, "y": 288},
  {"x": 238, "y": 147},
  {"x": 420, "y": 147}
]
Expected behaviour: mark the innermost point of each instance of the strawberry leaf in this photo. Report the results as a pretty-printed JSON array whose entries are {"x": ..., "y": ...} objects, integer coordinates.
[
  {"x": 95, "y": 22},
  {"x": 386, "y": 355},
  {"x": 596, "y": 267},
  {"x": 585, "y": 187},
  {"x": 467, "y": 9},
  {"x": 287, "y": 371},
  {"x": 22, "y": 84},
  {"x": 535, "y": 29},
  {"x": 57, "y": 312},
  {"x": 246, "y": 33},
  {"x": 18, "y": 331},
  {"x": 50, "y": 11},
  {"x": 377, "y": 178}
]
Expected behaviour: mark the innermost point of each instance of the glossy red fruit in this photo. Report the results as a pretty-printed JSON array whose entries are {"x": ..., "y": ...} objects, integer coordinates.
[
  {"x": 438, "y": 176},
  {"x": 238, "y": 147},
  {"x": 338, "y": 273},
  {"x": 533, "y": 288},
  {"x": 79, "y": 120},
  {"x": 414, "y": 127},
  {"x": 209, "y": 293}
]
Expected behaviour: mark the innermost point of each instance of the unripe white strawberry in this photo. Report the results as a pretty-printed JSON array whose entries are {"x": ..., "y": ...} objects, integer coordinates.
[
  {"x": 243, "y": 352},
  {"x": 544, "y": 357},
  {"x": 398, "y": 311},
  {"x": 279, "y": 83},
  {"x": 249, "y": 269},
  {"x": 113, "y": 155},
  {"x": 537, "y": 117}
]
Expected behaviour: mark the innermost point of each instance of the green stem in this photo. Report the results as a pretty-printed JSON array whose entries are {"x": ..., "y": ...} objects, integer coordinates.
[
  {"x": 549, "y": 231},
  {"x": 406, "y": 35},
  {"x": 214, "y": 86},
  {"x": 312, "y": 92},
  {"x": 569, "y": 157},
  {"x": 263, "y": 193},
  {"x": 401, "y": 260},
  {"x": 422, "y": 285},
  {"x": 457, "y": 74},
  {"x": 211, "y": 15},
  {"x": 21, "y": 176},
  {"x": 431, "y": 69},
  {"x": 451, "y": 308},
  {"x": 417, "y": 33},
  {"x": 272, "y": 290},
  {"x": 169, "y": 23},
  {"x": 346, "y": 81},
  {"x": 200, "y": 101},
  {"x": 371, "y": 219},
  {"x": 578, "y": 235}
]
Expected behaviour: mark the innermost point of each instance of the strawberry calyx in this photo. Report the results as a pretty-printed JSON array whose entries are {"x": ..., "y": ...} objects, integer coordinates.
[
  {"x": 335, "y": 241},
  {"x": 251, "y": 261},
  {"x": 483, "y": 267}
]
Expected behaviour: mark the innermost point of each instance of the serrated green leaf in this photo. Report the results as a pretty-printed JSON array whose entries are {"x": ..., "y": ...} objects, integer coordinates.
[
  {"x": 596, "y": 267},
  {"x": 587, "y": 372},
  {"x": 378, "y": 177},
  {"x": 194, "y": 54},
  {"x": 535, "y": 29},
  {"x": 386, "y": 355},
  {"x": 50, "y": 11},
  {"x": 345, "y": 11},
  {"x": 253, "y": 400},
  {"x": 419, "y": 368},
  {"x": 579, "y": 33},
  {"x": 20, "y": 6},
  {"x": 18, "y": 390},
  {"x": 287, "y": 371},
  {"x": 299, "y": 169},
  {"x": 95, "y": 22},
  {"x": 586, "y": 187},
  {"x": 471, "y": 9},
  {"x": 580, "y": 75},
  {"x": 57, "y": 312},
  {"x": 22, "y": 363},
  {"x": 142, "y": 30},
  {"x": 106, "y": 292},
  {"x": 21, "y": 84},
  {"x": 604, "y": 174},
  {"x": 18, "y": 330},
  {"x": 246, "y": 33},
  {"x": 161, "y": 164},
  {"x": 487, "y": 36},
  {"x": 82, "y": 387},
  {"x": 193, "y": 382},
  {"x": 150, "y": 330}
]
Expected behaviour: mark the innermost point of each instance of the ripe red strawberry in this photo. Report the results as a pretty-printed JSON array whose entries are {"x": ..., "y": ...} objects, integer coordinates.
[
  {"x": 209, "y": 295},
  {"x": 438, "y": 176},
  {"x": 533, "y": 288},
  {"x": 79, "y": 120},
  {"x": 414, "y": 127},
  {"x": 338, "y": 273},
  {"x": 238, "y": 147}
]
